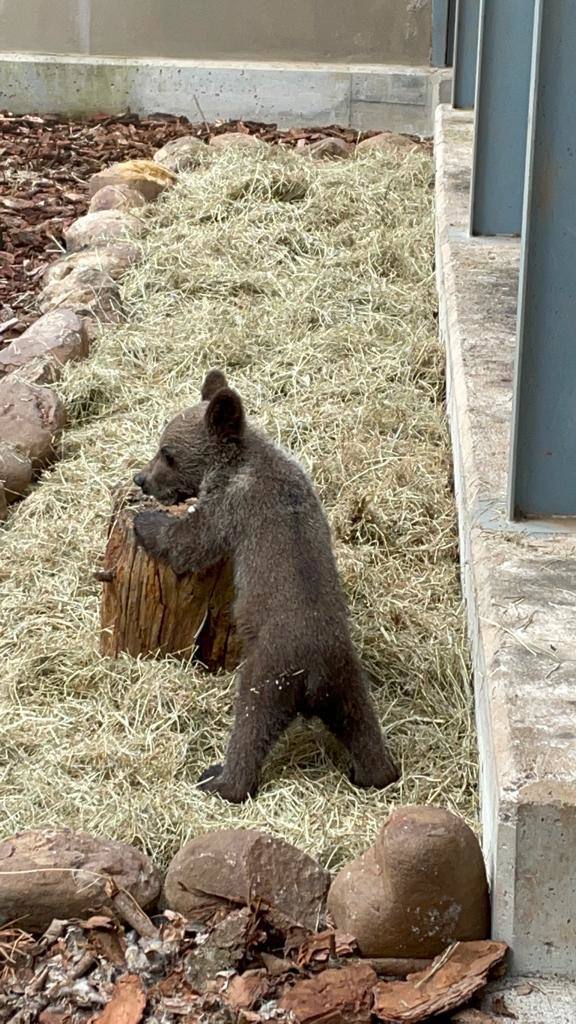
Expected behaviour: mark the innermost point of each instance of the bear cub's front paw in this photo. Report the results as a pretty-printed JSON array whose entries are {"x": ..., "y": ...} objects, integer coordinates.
[{"x": 148, "y": 529}]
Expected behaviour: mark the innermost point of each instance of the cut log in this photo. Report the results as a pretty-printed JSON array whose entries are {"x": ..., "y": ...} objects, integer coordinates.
[{"x": 147, "y": 610}]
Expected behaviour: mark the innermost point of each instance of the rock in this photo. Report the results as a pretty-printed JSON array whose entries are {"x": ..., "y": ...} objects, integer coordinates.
[
  {"x": 31, "y": 419},
  {"x": 422, "y": 886},
  {"x": 95, "y": 229},
  {"x": 234, "y": 140},
  {"x": 235, "y": 867},
  {"x": 146, "y": 176},
  {"x": 15, "y": 472},
  {"x": 390, "y": 141},
  {"x": 114, "y": 259},
  {"x": 57, "y": 338},
  {"x": 184, "y": 154},
  {"x": 330, "y": 148},
  {"x": 65, "y": 874},
  {"x": 87, "y": 291},
  {"x": 3, "y": 504},
  {"x": 116, "y": 197}
]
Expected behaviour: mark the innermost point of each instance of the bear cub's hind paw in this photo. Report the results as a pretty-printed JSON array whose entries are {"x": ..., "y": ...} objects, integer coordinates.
[
  {"x": 386, "y": 775},
  {"x": 213, "y": 781}
]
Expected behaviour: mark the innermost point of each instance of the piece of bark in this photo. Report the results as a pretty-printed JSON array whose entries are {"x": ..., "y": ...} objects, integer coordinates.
[
  {"x": 334, "y": 996},
  {"x": 147, "y": 609},
  {"x": 451, "y": 982}
]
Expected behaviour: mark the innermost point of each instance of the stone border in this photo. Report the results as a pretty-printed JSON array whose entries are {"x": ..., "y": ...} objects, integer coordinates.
[
  {"x": 518, "y": 582},
  {"x": 362, "y": 96},
  {"x": 82, "y": 288}
]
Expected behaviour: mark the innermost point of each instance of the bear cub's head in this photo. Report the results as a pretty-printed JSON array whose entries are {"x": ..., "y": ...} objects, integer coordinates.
[{"x": 194, "y": 442}]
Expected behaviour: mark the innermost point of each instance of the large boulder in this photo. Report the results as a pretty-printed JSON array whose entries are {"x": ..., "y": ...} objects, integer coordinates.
[
  {"x": 421, "y": 887},
  {"x": 57, "y": 338},
  {"x": 49, "y": 874},
  {"x": 235, "y": 867},
  {"x": 31, "y": 419},
  {"x": 184, "y": 154},
  {"x": 94, "y": 229},
  {"x": 146, "y": 176},
  {"x": 113, "y": 259},
  {"x": 116, "y": 197},
  {"x": 16, "y": 472}
]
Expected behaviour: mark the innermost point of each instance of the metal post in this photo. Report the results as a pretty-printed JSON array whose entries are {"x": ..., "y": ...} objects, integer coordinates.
[
  {"x": 442, "y": 33},
  {"x": 543, "y": 466},
  {"x": 502, "y": 93},
  {"x": 465, "y": 53}
]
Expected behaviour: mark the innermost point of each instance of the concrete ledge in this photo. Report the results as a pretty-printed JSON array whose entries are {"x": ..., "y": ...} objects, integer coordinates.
[
  {"x": 520, "y": 587},
  {"x": 360, "y": 96}
]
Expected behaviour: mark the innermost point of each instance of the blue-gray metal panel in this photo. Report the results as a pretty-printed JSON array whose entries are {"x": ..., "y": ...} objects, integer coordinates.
[
  {"x": 440, "y": 13},
  {"x": 543, "y": 466},
  {"x": 500, "y": 127},
  {"x": 465, "y": 53}
]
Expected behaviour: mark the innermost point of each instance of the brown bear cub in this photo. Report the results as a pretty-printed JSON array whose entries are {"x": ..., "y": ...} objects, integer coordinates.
[{"x": 256, "y": 505}]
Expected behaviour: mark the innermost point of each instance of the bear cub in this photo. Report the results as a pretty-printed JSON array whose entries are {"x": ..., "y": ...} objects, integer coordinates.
[{"x": 257, "y": 506}]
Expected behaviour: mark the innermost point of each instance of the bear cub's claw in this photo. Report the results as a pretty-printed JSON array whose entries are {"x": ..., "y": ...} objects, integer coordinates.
[{"x": 212, "y": 781}]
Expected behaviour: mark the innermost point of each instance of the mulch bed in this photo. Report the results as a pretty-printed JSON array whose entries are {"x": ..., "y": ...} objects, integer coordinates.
[
  {"x": 45, "y": 165},
  {"x": 249, "y": 968}
]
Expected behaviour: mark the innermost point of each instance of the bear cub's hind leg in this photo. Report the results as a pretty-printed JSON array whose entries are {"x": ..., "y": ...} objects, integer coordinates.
[
  {"x": 261, "y": 716},
  {"x": 355, "y": 724}
]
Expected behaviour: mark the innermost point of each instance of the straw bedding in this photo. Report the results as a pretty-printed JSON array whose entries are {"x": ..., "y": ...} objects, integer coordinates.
[{"x": 312, "y": 284}]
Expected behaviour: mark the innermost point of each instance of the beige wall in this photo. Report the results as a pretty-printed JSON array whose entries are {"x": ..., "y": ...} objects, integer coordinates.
[{"x": 357, "y": 31}]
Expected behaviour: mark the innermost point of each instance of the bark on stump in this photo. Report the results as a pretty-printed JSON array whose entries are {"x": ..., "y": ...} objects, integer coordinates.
[{"x": 147, "y": 609}]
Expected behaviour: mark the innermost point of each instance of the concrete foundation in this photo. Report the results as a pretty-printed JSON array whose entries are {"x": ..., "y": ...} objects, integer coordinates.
[
  {"x": 362, "y": 96},
  {"x": 519, "y": 582}
]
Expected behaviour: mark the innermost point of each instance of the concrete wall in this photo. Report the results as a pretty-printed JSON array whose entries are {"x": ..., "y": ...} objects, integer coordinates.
[{"x": 341, "y": 31}]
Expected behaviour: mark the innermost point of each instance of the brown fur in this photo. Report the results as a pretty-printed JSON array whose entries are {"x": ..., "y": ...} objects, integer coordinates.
[{"x": 257, "y": 505}]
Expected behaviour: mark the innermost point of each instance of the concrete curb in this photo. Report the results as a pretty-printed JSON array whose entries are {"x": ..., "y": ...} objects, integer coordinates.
[
  {"x": 365, "y": 97},
  {"x": 518, "y": 582}
]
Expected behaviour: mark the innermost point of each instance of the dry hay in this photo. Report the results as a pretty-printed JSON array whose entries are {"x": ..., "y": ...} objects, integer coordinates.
[{"x": 312, "y": 284}]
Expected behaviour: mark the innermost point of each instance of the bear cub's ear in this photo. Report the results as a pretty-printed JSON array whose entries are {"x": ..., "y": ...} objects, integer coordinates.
[
  {"x": 225, "y": 415},
  {"x": 214, "y": 381}
]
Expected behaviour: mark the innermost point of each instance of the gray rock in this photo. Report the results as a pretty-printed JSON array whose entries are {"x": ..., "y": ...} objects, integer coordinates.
[
  {"x": 94, "y": 229},
  {"x": 234, "y": 140},
  {"x": 183, "y": 154},
  {"x": 113, "y": 258},
  {"x": 328, "y": 149},
  {"x": 58, "y": 337},
  {"x": 87, "y": 291},
  {"x": 31, "y": 419},
  {"x": 116, "y": 197}
]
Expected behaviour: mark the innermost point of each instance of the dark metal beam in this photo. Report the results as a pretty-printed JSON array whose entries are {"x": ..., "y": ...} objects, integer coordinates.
[
  {"x": 465, "y": 53},
  {"x": 543, "y": 465},
  {"x": 502, "y": 93},
  {"x": 440, "y": 14}
]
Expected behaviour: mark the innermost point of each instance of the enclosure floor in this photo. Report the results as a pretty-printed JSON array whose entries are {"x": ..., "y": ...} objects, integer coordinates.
[{"x": 312, "y": 284}]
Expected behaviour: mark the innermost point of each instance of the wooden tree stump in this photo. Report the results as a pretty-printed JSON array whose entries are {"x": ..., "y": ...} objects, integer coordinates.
[{"x": 147, "y": 609}]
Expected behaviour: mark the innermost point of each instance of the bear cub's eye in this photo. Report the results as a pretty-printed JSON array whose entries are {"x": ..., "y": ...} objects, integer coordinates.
[{"x": 168, "y": 456}]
